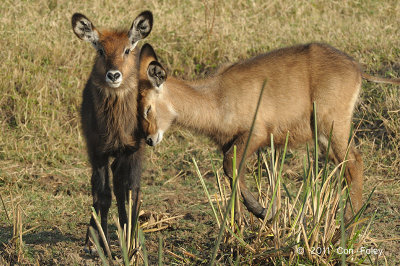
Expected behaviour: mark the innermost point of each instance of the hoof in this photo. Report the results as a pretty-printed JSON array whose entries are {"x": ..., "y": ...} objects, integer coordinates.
[
  {"x": 263, "y": 213},
  {"x": 90, "y": 247}
]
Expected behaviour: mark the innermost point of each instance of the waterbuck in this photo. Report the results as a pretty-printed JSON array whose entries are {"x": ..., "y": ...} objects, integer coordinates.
[
  {"x": 223, "y": 106},
  {"x": 109, "y": 114}
]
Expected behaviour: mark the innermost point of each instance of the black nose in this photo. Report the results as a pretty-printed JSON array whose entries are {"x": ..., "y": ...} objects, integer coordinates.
[
  {"x": 149, "y": 141},
  {"x": 113, "y": 76}
]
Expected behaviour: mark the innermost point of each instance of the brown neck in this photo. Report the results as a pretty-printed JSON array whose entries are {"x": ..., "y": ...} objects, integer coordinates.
[
  {"x": 197, "y": 106},
  {"x": 116, "y": 111}
]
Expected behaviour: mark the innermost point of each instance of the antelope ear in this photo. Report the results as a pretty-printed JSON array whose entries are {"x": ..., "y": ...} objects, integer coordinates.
[
  {"x": 157, "y": 75},
  {"x": 141, "y": 27},
  {"x": 84, "y": 29}
]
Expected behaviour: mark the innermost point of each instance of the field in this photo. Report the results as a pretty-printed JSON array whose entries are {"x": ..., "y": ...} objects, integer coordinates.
[{"x": 44, "y": 171}]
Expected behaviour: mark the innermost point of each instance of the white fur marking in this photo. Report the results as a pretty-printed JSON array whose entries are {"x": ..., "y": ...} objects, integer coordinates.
[
  {"x": 323, "y": 140},
  {"x": 116, "y": 83},
  {"x": 354, "y": 99},
  {"x": 172, "y": 110},
  {"x": 159, "y": 88},
  {"x": 157, "y": 138}
]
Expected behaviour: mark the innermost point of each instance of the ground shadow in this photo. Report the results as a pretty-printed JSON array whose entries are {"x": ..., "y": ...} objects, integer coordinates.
[{"x": 48, "y": 236}]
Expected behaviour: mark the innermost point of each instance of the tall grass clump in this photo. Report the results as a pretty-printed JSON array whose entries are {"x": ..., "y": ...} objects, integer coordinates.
[
  {"x": 14, "y": 251},
  {"x": 130, "y": 238},
  {"x": 307, "y": 223},
  {"x": 131, "y": 248}
]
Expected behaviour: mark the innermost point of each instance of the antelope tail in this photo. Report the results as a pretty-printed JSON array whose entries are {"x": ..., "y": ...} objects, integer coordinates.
[{"x": 381, "y": 80}]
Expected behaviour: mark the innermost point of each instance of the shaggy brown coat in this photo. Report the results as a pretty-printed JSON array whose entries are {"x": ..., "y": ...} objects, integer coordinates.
[{"x": 109, "y": 114}]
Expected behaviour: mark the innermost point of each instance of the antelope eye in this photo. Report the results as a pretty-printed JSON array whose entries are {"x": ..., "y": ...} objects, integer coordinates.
[
  {"x": 127, "y": 51},
  {"x": 101, "y": 52}
]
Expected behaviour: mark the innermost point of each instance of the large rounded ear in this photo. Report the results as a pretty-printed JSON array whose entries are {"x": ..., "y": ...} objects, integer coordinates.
[
  {"x": 84, "y": 29},
  {"x": 157, "y": 75},
  {"x": 141, "y": 27}
]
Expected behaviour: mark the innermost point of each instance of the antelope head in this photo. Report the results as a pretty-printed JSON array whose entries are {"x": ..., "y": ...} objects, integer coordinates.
[
  {"x": 156, "y": 112},
  {"x": 115, "y": 61}
]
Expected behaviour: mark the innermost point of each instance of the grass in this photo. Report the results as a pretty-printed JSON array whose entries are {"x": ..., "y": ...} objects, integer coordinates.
[
  {"x": 43, "y": 164},
  {"x": 305, "y": 227}
]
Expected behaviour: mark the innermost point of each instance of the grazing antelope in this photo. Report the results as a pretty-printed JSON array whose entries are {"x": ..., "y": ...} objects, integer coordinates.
[
  {"x": 223, "y": 106},
  {"x": 109, "y": 113}
]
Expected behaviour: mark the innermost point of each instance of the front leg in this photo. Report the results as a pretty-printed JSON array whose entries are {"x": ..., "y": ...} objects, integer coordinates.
[
  {"x": 249, "y": 200},
  {"x": 101, "y": 193},
  {"x": 127, "y": 174}
]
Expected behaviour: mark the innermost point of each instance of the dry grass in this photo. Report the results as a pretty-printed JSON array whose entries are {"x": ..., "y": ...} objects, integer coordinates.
[
  {"x": 44, "y": 68},
  {"x": 306, "y": 226}
]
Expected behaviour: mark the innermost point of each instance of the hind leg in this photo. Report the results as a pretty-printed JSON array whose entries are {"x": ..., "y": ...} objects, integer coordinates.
[
  {"x": 354, "y": 178},
  {"x": 354, "y": 166}
]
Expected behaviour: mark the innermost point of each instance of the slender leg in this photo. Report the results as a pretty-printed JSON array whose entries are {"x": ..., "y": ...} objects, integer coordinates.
[
  {"x": 249, "y": 200},
  {"x": 135, "y": 172},
  {"x": 101, "y": 193},
  {"x": 119, "y": 174},
  {"x": 354, "y": 177},
  {"x": 127, "y": 173},
  {"x": 354, "y": 165}
]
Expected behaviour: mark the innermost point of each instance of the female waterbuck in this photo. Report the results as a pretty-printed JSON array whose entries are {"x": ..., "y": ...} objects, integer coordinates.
[
  {"x": 109, "y": 113},
  {"x": 223, "y": 106}
]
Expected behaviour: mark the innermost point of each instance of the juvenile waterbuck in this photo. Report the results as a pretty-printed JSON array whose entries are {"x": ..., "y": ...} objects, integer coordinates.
[
  {"x": 223, "y": 106},
  {"x": 109, "y": 113}
]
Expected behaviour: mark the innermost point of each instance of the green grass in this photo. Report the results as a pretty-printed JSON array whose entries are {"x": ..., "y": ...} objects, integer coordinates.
[{"x": 43, "y": 163}]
